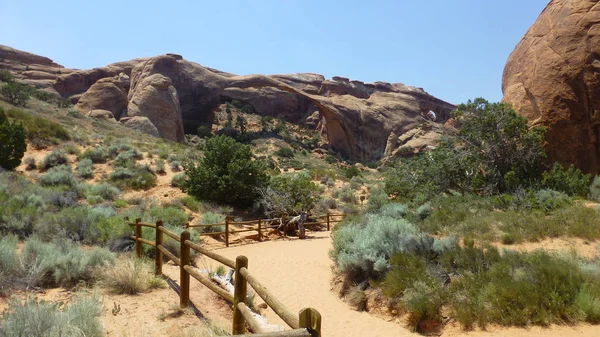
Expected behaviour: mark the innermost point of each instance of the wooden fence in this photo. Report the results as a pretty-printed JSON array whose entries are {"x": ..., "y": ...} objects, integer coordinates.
[
  {"x": 261, "y": 225},
  {"x": 307, "y": 323}
]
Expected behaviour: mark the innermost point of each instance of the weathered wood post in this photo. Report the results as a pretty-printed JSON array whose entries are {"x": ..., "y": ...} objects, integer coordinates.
[
  {"x": 283, "y": 222},
  {"x": 310, "y": 319},
  {"x": 259, "y": 229},
  {"x": 328, "y": 225},
  {"x": 158, "y": 255},
  {"x": 227, "y": 232},
  {"x": 239, "y": 295},
  {"x": 184, "y": 276},
  {"x": 138, "y": 235}
]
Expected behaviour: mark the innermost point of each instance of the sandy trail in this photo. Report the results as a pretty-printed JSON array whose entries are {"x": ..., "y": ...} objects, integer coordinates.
[{"x": 299, "y": 273}]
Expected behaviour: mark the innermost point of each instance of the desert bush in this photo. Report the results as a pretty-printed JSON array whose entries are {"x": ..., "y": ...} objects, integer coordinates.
[
  {"x": 175, "y": 166},
  {"x": 324, "y": 205},
  {"x": 377, "y": 199},
  {"x": 71, "y": 148},
  {"x": 357, "y": 299},
  {"x": 128, "y": 158},
  {"x": 10, "y": 264},
  {"x": 137, "y": 178},
  {"x": 191, "y": 203},
  {"x": 212, "y": 218},
  {"x": 548, "y": 200},
  {"x": 172, "y": 216},
  {"x": 54, "y": 158},
  {"x": 289, "y": 193},
  {"x": 15, "y": 93},
  {"x": 394, "y": 210},
  {"x": 594, "y": 190},
  {"x": 178, "y": 180},
  {"x": 40, "y": 131},
  {"x": 226, "y": 174},
  {"x": 104, "y": 190},
  {"x": 85, "y": 168},
  {"x": 570, "y": 181},
  {"x": 285, "y": 152},
  {"x": 424, "y": 303},
  {"x": 58, "y": 175},
  {"x": 12, "y": 142},
  {"x": 347, "y": 195},
  {"x": 30, "y": 163},
  {"x": 62, "y": 263},
  {"x": 6, "y": 76},
  {"x": 159, "y": 166},
  {"x": 131, "y": 276},
  {"x": 81, "y": 317},
  {"x": 424, "y": 211},
  {"x": 120, "y": 203},
  {"x": 351, "y": 172},
  {"x": 97, "y": 154}
]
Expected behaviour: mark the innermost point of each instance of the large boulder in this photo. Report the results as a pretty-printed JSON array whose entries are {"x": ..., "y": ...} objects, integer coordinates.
[
  {"x": 553, "y": 79},
  {"x": 106, "y": 94},
  {"x": 156, "y": 98},
  {"x": 140, "y": 123}
]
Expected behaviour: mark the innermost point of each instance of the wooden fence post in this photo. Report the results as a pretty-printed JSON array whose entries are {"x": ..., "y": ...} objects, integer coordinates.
[
  {"x": 239, "y": 295},
  {"x": 328, "y": 226},
  {"x": 283, "y": 222},
  {"x": 138, "y": 236},
  {"x": 184, "y": 276},
  {"x": 310, "y": 319},
  {"x": 259, "y": 229},
  {"x": 158, "y": 255},
  {"x": 227, "y": 232}
]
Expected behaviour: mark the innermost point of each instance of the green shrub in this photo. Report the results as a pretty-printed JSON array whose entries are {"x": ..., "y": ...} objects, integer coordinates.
[
  {"x": 137, "y": 178},
  {"x": 85, "y": 168},
  {"x": 571, "y": 181},
  {"x": 128, "y": 158},
  {"x": 346, "y": 194},
  {"x": 191, "y": 203},
  {"x": 423, "y": 301},
  {"x": 120, "y": 203},
  {"x": 54, "y": 158},
  {"x": 40, "y": 131},
  {"x": 285, "y": 152},
  {"x": 58, "y": 175},
  {"x": 291, "y": 193},
  {"x": 97, "y": 154},
  {"x": 159, "y": 166},
  {"x": 226, "y": 174},
  {"x": 104, "y": 190},
  {"x": 10, "y": 265},
  {"x": 212, "y": 218},
  {"x": 331, "y": 159},
  {"x": 549, "y": 200},
  {"x": 377, "y": 199},
  {"x": 351, "y": 172},
  {"x": 424, "y": 211},
  {"x": 178, "y": 180},
  {"x": 30, "y": 163},
  {"x": 169, "y": 215},
  {"x": 394, "y": 210},
  {"x": 15, "y": 93},
  {"x": 203, "y": 131},
  {"x": 12, "y": 142},
  {"x": 81, "y": 317},
  {"x": 595, "y": 189},
  {"x": 589, "y": 303},
  {"x": 6, "y": 76}
]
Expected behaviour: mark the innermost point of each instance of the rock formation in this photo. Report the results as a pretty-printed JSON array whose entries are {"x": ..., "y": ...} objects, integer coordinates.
[
  {"x": 364, "y": 121},
  {"x": 553, "y": 79}
]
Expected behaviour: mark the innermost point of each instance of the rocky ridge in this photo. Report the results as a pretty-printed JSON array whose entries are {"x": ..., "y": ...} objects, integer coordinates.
[{"x": 363, "y": 121}]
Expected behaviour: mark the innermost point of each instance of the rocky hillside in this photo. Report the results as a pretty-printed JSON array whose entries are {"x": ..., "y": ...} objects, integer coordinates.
[
  {"x": 169, "y": 96},
  {"x": 552, "y": 78}
]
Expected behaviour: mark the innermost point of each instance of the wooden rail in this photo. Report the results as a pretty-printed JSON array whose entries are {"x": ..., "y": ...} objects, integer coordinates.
[
  {"x": 307, "y": 323},
  {"x": 260, "y": 225}
]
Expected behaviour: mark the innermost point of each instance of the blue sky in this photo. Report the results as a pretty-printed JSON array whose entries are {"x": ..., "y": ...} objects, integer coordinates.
[{"x": 455, "y": 50}]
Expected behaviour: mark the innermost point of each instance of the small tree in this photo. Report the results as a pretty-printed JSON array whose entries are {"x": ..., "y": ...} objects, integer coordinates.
[
  {"x": 289, "y": 193},
  {"x": 12, "y": 142},
  {"x": 226, "y": 174},
  {"x": 15, "y": 93}
]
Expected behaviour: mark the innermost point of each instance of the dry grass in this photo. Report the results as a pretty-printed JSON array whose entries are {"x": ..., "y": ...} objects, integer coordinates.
[{"x": 131, "y": 276}]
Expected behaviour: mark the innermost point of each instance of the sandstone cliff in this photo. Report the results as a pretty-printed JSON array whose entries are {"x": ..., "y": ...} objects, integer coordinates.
[
  {"x": 364, "y": 121},
  {"x": 553, "y": 79}
]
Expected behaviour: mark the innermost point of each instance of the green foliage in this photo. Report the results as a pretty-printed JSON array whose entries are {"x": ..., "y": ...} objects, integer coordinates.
[
  {"x": 85, "y": 168},
  {"x": 55, "y": 158},
  {"x": 377, "y": 199},
  {"x": 493, "y": 151},
  {"x": 81, "y": 317},
  {"x": 178, "y": 180},
  {"x": 40, "y": 131},
  {"x": 285, "y": 152},
  {"x": 571, "y": 181},
  {"x": 191, "y": 203},
  {"x": 226, "y": 174},
  {"x": 595, "y": 189},
  {"x": 171, "y": 216},
  {"x": 212, "y": 218},
  {"x": 58, "y": 175},
  {"x": 129, "y": 276},
  {"x": 128, "y": 158},
  {"x": 291, "y": 193},
  {"x": 12, "y": 142},
  {"x": 104, "y": 190},
  {"x": 97, "y": 154},
  {"x": 351, "y": 172},
  {"x": 15, "y": 93},
  {"x": 6, "y": 76},
  {"x": 203, "y": 131},
  {"x": 136, "y": 178}
]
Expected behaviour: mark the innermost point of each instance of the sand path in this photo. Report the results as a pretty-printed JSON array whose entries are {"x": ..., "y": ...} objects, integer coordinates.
[{"x": 299, "y": 272}]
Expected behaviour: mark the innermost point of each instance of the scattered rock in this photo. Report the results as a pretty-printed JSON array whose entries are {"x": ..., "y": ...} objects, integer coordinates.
[
  {"x": 106, "y": 94},
  {"x": 100, "y": 114}
]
